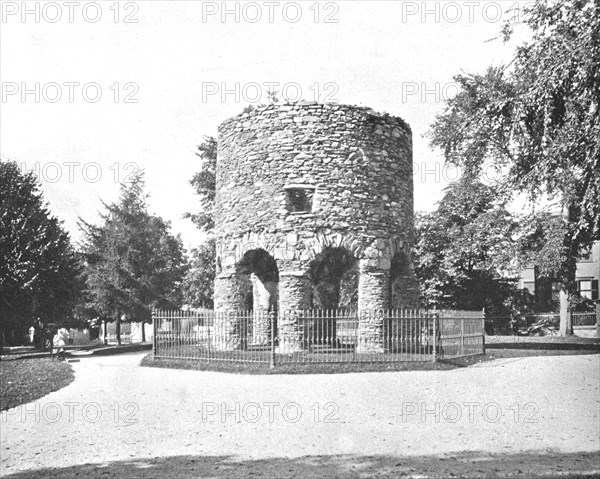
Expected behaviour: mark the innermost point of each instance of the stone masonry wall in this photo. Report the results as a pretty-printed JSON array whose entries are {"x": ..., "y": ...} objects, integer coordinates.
[
  {"x": 358, "y": 161},
  {"x": 356, "y": 167}
]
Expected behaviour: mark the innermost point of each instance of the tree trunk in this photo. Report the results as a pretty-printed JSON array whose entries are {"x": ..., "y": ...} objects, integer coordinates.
[
  {"x": 566, "y": 323},
  {"x": 143, "y": 331},
  {"x": 105, "y": 332},
  {"x": 569, "y": 273},
  {"x": 118, "y": 329}
]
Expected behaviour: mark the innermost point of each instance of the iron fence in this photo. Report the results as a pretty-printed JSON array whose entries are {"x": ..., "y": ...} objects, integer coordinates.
[
  {"x": 584, "y": 319},
  {"x": 507, "y": 325},
  {"x": 317, "y": 336}
]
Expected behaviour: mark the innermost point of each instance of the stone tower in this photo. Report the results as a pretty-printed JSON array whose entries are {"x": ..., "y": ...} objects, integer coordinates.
[{"x": 314, "y": 209}]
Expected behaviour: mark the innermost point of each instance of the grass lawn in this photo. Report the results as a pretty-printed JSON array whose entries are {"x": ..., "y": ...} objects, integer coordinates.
[
  {"x": 25, "y": 380},
  {"x": 308, "y": 368},
  {"x": 337, "y": 368}
]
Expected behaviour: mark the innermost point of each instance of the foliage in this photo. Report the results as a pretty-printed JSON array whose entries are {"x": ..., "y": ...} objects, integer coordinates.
[
  {"x": 39, "y": 272},
  {"x": 539, "y": 118},
  {"x": 198, "y": 283},
  {"x": 133, "y": 262},
  {"x": 204, "y": 183},
  {"x": 199, "y": 280},
  {"x": 464, "y": 250},
  {"x": 540, "y": 242},
  {"x": 538, "y": 121}
]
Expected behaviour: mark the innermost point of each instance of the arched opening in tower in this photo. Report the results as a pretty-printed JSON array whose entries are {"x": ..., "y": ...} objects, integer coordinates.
[
  {"x": 334, "y": 276},
  {"x": 262, "y": 297}
]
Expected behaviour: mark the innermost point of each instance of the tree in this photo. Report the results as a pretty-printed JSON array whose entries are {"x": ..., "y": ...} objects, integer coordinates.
[
  {"x": 39, "y": 272},
  {"x": 538, "y": 121},
  {"x": 198, "y": 284},
  {"x": 464, "y": 250},
  {"x": 133, "y": 262},
  {"x": 204, "y": 183},
  {"x": 199, "y": 281}
]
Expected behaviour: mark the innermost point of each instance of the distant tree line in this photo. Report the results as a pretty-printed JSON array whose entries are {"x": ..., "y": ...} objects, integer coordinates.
[
  {"x": 40, "y": 272},
  {"x": 126, "y": 265}
]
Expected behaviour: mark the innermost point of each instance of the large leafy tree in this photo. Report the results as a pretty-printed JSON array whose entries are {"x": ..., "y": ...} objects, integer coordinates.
[
  {"x": 537, "y": 121},
  {"x": 39, "y": 271},
  {"x": 465, "y": 249},
  {"x": 198, "y": 283},
  {"x": 204, "y": 184},
  {"x": 133, "y": 262}
]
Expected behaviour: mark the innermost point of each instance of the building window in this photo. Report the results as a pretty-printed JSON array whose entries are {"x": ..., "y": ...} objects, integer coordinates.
[
  {"x": 300, "y": 199},
  {"x": 530, "y": 286},
  {"x": 588, "y": 288}
]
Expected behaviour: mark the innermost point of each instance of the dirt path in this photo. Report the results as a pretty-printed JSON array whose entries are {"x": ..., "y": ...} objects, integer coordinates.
[{"x": 513, "y": 416}]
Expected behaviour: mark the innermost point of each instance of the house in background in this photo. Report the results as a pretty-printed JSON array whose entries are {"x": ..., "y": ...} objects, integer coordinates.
[{"x": 545, "y": 290}]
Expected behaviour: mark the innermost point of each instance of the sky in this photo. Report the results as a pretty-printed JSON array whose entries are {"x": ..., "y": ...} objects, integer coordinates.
[{"x": 93, "y": 91}]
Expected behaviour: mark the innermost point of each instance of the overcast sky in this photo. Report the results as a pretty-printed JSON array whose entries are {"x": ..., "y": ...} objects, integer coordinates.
[{"x": 92, "y": 91}]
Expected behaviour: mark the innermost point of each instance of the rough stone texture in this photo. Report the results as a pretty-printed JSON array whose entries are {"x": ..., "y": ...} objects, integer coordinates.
[
  {"x": 265, "y": 301},
  {"x": 294, "y": 296},
  {"x": 355, "y": 165},
  {"x": 373, "y": 297},
  {"x": 232, "y": 291}
]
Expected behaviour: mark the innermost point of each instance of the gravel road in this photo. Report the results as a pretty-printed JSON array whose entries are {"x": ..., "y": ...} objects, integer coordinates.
[{"x": 508, "y": 417}]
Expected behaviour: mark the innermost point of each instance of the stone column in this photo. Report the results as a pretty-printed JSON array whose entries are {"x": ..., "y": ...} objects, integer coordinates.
[
  {"x": 264, "y": 301},
  {"x": 230, "y": 328},
  {"x": 373, "y": 298},
  {"x": 294, "y": 297}
]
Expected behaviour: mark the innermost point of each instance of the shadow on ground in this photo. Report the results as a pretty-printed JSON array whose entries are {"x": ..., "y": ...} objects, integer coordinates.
[
  {"x": 585, "y": 348},
  {"x": 467, "y": 464}
]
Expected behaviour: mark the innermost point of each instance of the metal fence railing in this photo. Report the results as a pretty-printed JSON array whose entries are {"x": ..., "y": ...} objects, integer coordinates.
[
  {"x": 461, "y": 333},
  {"x": 317, "y": 336},
  {"x": 584, "y": 319},
  {"x": 507, "y": 325}
]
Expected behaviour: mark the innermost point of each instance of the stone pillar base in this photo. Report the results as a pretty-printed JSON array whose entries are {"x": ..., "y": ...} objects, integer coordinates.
[
  {"x": 227, "y": 339},
  {"x": 230, "y": 330},
  {"x": 288, "y": 348},
  {"x": 370, "y": 347},
  {"x": 261, "y": 331},
  {"x": 265, "y": 301},
  {"x": 291, "y": 333},
  {"x": 294, "y": 297},
  {"x": 373, "y": 299},
  {"x": 370, "y": 332}
]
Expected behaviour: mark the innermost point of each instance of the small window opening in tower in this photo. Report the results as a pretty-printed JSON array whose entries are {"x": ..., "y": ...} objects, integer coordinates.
[{"x": 300, "y": 199}]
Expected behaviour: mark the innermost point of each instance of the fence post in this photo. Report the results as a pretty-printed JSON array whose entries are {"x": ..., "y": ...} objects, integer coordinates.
[
  {"x": 434, "y": 352},
  {"x": 462, "y": 336},
  {"x": 598, "y": 319},
  {"x": 207, "y": 325},
  {"x": 483, "y": 330},
  {"x": 272, "y": 317},
  {"x": 155, "y": 330}
]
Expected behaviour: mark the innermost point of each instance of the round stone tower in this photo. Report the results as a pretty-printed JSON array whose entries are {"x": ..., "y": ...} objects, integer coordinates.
[{"x": 314, "y": 209}]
